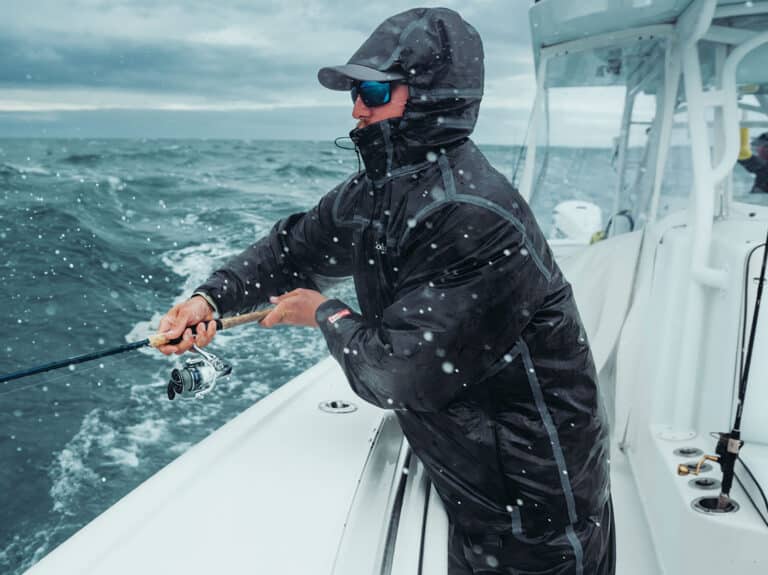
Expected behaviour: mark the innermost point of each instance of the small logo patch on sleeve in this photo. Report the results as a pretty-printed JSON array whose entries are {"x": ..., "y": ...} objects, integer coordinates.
[{"x": 338, "y": 315}]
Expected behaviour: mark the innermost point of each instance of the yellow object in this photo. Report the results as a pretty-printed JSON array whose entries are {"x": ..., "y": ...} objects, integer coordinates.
[
  {"x": 597, "y": 236},
  {"x": 745, "y": 152}
]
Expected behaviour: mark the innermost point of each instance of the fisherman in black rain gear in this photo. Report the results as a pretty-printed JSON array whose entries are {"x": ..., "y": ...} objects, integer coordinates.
[
  {"x": 756, "y": 163},
  {"x": 467, "y": 328}
]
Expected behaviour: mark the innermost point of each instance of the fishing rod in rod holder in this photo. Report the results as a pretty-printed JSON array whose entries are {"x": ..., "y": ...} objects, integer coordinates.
[
  {"x": 729, "y": 443},
  {"x": 197, "y": 377}
]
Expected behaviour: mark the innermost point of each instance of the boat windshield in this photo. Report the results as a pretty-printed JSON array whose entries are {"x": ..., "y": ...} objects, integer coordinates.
[
  {"x": 750, "y": 179},
  {"x": 593, "y": 144},
  {"x": 605, "y": 142}
]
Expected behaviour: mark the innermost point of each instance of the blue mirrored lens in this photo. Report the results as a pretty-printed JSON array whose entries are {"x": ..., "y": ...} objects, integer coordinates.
[{"x": 372, "y": 93}]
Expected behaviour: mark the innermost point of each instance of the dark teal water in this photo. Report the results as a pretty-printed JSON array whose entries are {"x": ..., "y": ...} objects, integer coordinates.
[{"x": 98, "y": 238}]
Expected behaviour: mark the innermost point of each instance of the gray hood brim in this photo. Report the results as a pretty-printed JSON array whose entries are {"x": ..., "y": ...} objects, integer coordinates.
[{"x": 342, "y": 77}]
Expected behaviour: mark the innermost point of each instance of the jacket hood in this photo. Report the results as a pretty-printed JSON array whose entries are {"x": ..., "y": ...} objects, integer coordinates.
[{"x": 441, "y": 58}]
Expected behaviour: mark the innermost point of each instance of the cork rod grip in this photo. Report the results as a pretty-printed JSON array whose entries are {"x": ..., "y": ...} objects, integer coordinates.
[
  {"x": 158, "y": 339},
  {"x": 259, "y": 315}
]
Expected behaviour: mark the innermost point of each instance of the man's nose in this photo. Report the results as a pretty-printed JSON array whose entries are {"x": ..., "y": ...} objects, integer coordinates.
[{"x": 360, "y": 110}]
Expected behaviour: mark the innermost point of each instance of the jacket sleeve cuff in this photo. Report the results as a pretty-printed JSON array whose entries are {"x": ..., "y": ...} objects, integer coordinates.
[
  {"x": 338, "y": 322},
  {"x": 208, "y": 299}
]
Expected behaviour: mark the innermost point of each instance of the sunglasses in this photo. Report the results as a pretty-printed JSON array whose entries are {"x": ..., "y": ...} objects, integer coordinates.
[{"x": 372, "y": 93}]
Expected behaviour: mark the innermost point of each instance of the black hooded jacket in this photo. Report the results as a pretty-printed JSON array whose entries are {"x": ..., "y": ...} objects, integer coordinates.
[
  {"x": 759, "y": 167},
  {"x": 467, "y": 328}
]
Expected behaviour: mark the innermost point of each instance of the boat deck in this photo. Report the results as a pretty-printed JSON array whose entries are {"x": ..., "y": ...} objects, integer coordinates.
[{"x": 271, "y": 492}]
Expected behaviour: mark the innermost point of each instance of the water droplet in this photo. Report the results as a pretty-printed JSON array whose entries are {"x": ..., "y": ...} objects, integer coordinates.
[
  {"x": 428, "y": 336},
  {"x": 431, "y": 156},
  {"x": 524, "y": 252},
  {"x": 447, "y": 367}
]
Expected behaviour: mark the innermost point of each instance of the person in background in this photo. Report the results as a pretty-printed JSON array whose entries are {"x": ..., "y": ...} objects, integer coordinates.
[
  {"x": 757, "y": 162},
  {"x": 467, "y": 328}
]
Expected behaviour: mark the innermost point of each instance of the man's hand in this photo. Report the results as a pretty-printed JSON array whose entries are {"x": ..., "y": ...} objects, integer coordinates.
[
  {"x": 175, "y": 324},
  {"x": 297, "y": 307}
]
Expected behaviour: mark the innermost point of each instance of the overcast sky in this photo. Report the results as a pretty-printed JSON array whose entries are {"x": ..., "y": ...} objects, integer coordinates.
[
  {"x": 221, "y": 68},
  {"x": 246, "y": 69}
]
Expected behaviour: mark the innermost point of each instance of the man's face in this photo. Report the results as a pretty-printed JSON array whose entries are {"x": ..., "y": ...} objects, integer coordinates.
[
  {"x": 393, "y": 109},
  {"x": 762, "y": 151}
]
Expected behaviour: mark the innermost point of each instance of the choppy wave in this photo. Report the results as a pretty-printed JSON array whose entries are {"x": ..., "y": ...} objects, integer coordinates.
[
  {"x": 9, "y": 170},
  {"x": 312, "y": 171},
  {"x": 88, "y": 159}
]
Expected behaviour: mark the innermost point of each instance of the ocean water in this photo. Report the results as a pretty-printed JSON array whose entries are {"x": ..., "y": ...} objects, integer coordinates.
[{"x": 98, "y": 238}]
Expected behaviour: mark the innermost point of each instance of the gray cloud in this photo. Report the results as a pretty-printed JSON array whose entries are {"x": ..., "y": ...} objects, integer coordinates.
[
  {"x": 208, "y": 53},
  {"x": 200, "y": 69}
]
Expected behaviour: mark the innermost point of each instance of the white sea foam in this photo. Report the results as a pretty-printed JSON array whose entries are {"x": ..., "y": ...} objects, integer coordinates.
[
  {"x": 115, "y": 183},
  {"x": 31, "y": 548},
  {"x": 29, "y": 169},
  {"x": 148, "y": 431},
  {"x": 102, "y": 441},
  {"x": 121, "y": 456},
  {"x": 70, "y": 471},
  {"x": 196, "y": 263}
]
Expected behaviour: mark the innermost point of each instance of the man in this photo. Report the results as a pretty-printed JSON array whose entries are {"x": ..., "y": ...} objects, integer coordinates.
[
  {"x": 757, "y": 163},
  {"x": 467, "y": 328}
]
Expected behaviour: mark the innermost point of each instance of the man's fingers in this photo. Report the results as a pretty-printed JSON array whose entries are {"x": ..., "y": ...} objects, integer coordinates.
[
  {"x": 283, "y": 297},
  {"x": 276, "y": 316},
  {"x": 186, "y": 343},
  {"x": 204, "y": 334},
  {"x": 172, "y": 324}
]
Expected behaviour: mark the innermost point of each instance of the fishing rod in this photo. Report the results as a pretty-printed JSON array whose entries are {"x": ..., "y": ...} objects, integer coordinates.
[
  {"x": 198, "y": 376},
  {"x": 729, "y": 444}
]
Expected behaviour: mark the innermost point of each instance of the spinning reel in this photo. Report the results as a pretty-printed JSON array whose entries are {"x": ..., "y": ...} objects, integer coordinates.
[{"x": 198, "y": 376}]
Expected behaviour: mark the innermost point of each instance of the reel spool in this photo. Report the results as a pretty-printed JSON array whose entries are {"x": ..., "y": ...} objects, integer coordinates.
[{"x": 198, "y": 376}]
